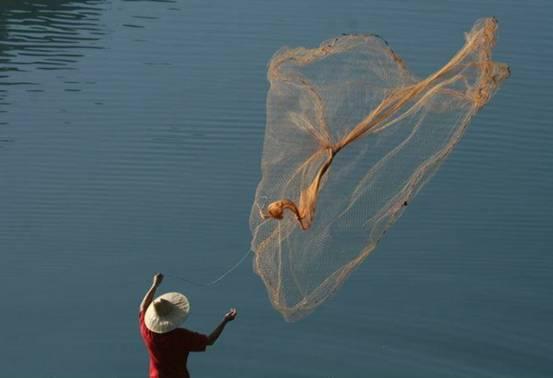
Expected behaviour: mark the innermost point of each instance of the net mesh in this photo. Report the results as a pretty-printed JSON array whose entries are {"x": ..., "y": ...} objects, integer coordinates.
[{"x": 351, "y": 137}]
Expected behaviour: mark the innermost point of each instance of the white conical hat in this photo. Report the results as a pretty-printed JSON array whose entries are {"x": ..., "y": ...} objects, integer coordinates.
[{"x": 167, "y": 312}]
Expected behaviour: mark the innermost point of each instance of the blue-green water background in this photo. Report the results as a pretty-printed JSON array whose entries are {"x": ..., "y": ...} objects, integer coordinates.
[{"x": 127, "y": 126}]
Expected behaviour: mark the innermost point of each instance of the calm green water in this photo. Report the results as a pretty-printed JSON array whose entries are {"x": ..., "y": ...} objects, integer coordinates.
[{"x": 125, "y": 128}]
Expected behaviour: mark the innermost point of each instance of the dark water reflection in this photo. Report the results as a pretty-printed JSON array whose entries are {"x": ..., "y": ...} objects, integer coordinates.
[
  {"x": 46, "y": 35},
  {"x": 43, "y": 35},
  {"x": 130, "y": 139}
]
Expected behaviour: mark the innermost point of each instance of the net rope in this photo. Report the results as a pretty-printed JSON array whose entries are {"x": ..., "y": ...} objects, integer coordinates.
[{"x": 214, "y": 281}]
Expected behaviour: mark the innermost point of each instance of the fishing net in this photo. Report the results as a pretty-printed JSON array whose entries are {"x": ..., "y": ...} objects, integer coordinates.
[{"x": 351, "y": 137}]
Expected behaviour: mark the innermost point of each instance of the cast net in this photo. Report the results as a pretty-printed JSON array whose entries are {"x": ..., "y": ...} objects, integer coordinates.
[{"x": 351, "y": 137}]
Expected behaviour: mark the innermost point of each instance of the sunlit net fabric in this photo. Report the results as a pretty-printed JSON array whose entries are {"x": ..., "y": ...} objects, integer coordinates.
[{"x": 351, "y": 137}]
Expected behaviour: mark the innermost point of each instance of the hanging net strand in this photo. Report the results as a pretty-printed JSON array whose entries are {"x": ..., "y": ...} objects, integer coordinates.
[{"x": 351, "y": 136}]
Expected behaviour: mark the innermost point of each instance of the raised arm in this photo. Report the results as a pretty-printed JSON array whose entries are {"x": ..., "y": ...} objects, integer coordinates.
[
  {"x": 151, "y": 292},
  {"x": 229, "y": 317}
]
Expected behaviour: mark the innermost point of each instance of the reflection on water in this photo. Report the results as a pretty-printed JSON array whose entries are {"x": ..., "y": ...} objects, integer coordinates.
[
  {"x": 47, "y": 35},
  {"x": 155, "y": 1},
  {"x": 44, "y": 35}
]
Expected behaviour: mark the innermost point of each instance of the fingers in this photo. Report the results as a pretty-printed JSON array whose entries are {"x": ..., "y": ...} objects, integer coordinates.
[
  {"x": 232, "y": 313},
  {"x": 158, "y": 277}
]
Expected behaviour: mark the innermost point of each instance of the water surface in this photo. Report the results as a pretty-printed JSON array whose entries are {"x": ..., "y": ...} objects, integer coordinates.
[{"x": 130, "y": 141}]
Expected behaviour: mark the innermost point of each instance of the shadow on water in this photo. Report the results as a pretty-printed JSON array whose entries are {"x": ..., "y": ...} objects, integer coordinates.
[{"x": 44, "y": 35}]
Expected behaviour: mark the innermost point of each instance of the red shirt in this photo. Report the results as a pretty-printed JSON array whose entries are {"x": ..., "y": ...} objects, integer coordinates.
[{"x": 168, "y": 352}]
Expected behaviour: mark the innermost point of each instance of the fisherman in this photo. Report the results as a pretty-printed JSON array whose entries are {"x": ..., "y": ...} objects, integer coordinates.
[{"x": 168, "y": 346}]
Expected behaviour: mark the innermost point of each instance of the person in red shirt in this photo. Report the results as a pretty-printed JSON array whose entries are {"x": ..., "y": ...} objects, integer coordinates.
[{"x": 168, "y": 346}]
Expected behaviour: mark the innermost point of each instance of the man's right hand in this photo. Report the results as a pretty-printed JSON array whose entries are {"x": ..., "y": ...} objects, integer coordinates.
[{"x": 231, "y": 315}]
